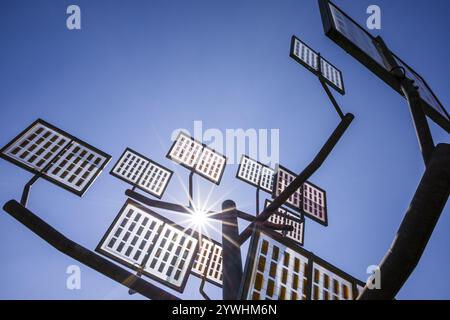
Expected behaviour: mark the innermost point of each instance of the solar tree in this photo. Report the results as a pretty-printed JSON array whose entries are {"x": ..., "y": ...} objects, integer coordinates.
[{"x": 277, "y": 267}]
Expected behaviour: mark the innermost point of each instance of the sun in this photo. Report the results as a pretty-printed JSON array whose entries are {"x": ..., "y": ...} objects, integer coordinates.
[{"x": 199, "y": 217}]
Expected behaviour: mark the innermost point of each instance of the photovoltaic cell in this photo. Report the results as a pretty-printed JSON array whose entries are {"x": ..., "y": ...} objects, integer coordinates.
[
  {"x": 198, "y": 157},
  {"x": 297, "y": 234},
  {"x": 211, "y": 165},
  {"x": 332, "y": 74},
  {"x": 306, "y": 55},
  {"x": 255, "y": 173},
  {"x": 327, "y": 285},
  {"x": 309, "y": 199},
  {"x": 142, "y": 240},
  {"x": 284, "y": 178},
  {"x": 277, "y": 269},
  {"x": 249, "y": 170},
  {"x": 186, "y": 151},
  {"x": 209, "y": 259},
  {"x": 58, "y": 156},
  {"x": 267, "y": 178},
  {"x": 132, "y": 234},
  {"x": 314, "y": 202},
  {"x": 142, "y": 172},
  {"x": 309, "y": 58},
  {"x": 170, "y": 260},
  {"x": 279, "y": 272}
]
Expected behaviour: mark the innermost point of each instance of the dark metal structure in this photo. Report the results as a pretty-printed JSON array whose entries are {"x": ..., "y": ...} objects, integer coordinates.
[{"x": 433, "y": 191}]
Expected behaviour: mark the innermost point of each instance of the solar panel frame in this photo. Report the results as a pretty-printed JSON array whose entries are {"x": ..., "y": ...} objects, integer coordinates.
[
  {"x": 295, "y": 224},
  {"x": 216, "y": 154},
  {"x": 323, "y": 221},
  {"x": 152, "y": 247},
  {"x": 199, "y": 156},
  {"x": 252, "y": 259},
  {"x": 368, "y": 54},
  {"x": 316, "y": 68},
  {"x": 300, "y": 192},
  {"x": 73, "y": 140},
  {"x": 219, "y": 265},
  {"x": 262, "y": 169},
  {"x": 138, "y": 183}
]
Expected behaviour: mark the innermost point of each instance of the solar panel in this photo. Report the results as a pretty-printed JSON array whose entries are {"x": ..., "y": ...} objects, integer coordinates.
[
  {"x": 278, "y": 269},
  {"x": 143, "y": 240},
  {"x": 359, "y": 43},
  {"x": 309, "y": 198},
  {"x": 298, "y": 232},
  {"x": 283, "y": 179},
  {"x": 255, "y": 173},
  {"x": 142, "y": 173},
  {"x": 277, "y": 272},
  {"x": 309, "y": 58},
  {"x": 131, "y": 234},
  {"x": 211, "y": 165},
  {"x": 61, "y": 158},
  {"x": 327, "y": 285},
  {"x": 267, "y": 178},
  {"x": 209, "y": 259},
  {"x": 197, "y": 157},
  {"x": 314, "y": 202},
  {"x": 171, "y": 259}
]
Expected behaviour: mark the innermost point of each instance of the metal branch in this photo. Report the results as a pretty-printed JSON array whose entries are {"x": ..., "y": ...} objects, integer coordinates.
[
  {"x": 416, "y": 228},
  {"x": 302, "y": 177},
  {"x": 83, "y": 255}
]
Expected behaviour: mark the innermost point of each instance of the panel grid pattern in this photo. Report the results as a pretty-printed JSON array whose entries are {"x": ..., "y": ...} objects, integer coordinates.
[
  {"x": 198, "y": 158},
  {"x": 214, "y": 272},
  {"x": 329, "y": 286},
  {"x": 57, "y": 156},
  {"x": 142, "y": 172},
  {"x": 186, "y": 151},
  {"x": 314, "y": 202},
  {"x": 297, "y": 234},
  {"x": 332, "y": 74},
  {"x": 284, "y": 179},
  {"x": 250, "y": 170},
  {"x": 210, "y": 165},
  {"x": 130, "y": 166},
  {"x": 306, "y": 54},
  {"x": 132, "y": 235},
  {"x": 155, "y": 179},
  {"x": 36, "y": 148},
  {"x": 278, "y": 273},
  {"x": 77, "y": 166},
  {"x": 170, "y": 259}
]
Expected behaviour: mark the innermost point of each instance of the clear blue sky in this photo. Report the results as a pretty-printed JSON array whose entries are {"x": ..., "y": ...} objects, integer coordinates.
[{"x": 140, "y": 69}]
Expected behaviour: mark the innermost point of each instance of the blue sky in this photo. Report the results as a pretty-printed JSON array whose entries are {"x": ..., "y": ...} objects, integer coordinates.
[{"x": 140, "y": 69}]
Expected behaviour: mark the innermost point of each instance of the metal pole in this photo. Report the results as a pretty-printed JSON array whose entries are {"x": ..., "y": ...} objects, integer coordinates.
[
  {"x": 191, "y": 189},
  {"x": 416, "y": 228},
  {"x": 231, "y": 252},
  {"x": 83, "y": 255},
  {"x": 257, "y": 200},
  {"x": 414, "y": 101},
  {"x": 327, "y": 90},
  {"x": 302, "y": 177}
]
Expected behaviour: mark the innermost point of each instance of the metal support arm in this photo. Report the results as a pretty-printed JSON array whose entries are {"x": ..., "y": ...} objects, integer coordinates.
[
  {"x": 416, "y": 228},
  {"x": 83, "y": 255}
]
